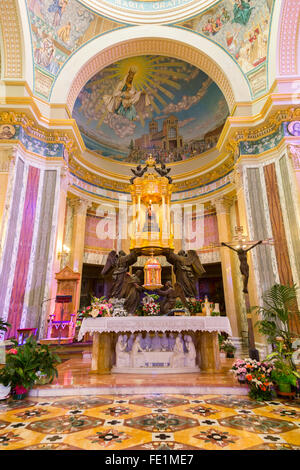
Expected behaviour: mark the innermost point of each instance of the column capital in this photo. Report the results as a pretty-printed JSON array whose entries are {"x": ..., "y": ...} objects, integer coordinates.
[
  {"x": 236, "y": 177},
  {"x": 80, "y": 205},
  {"x": 294, "y": 154},
  {"x": 222, "y": 204}
]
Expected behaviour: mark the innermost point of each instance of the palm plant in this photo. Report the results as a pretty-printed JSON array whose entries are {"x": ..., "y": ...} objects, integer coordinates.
[{"x": 278, "y": 307}]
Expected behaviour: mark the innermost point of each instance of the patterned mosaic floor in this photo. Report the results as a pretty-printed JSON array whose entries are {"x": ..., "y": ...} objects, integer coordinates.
[{"x": 149, "y": 422}]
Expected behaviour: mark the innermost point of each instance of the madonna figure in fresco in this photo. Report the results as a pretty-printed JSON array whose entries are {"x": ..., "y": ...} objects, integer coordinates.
[{"x": 125, "y": 98}]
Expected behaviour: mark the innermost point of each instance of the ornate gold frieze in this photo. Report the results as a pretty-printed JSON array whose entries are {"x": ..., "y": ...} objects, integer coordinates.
[{"x": 73, "y": 156}]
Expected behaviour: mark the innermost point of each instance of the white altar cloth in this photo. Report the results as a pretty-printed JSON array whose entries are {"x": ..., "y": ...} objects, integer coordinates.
[{"x": 152, "y": 323}]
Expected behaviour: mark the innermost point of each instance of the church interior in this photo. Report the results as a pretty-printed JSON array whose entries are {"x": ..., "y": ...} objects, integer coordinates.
[{"x": 150, "y": 225}]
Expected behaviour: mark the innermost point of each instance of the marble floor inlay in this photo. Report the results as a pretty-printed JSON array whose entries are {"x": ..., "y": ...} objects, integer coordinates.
[{"x": 149, "y": 422}]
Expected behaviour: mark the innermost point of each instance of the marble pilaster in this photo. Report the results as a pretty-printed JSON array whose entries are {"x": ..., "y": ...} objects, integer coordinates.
[{"x": 80, "y": 207}]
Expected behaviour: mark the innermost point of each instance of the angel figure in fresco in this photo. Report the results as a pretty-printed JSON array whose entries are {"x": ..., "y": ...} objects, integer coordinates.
[
  {"x": 170, "y": 295},
  {"x": 131, "y": 291},
  {"x": 244, "y": 266},
  {"x": 188, "y": 269},
  {"x": 241, "y": 11},
  {"x": 116, "y": 268},
  {"x": 125, "y": 99}
]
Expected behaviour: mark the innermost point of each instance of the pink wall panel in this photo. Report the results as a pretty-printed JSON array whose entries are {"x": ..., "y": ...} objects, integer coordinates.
[
  {"x": 23, "y": 256},
  {"x": 92, "y": 233}
]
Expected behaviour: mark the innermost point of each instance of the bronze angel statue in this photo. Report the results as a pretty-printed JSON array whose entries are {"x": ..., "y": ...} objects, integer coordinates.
[
  {"x": 163, "y": 171},
  {"x": 187, "y": 269},
  {"x": 115, "y": 270},
  {"x": 138, "y": 172},
  {"x": 170, "y": 294},
  {"x": 131, "y": 291}
]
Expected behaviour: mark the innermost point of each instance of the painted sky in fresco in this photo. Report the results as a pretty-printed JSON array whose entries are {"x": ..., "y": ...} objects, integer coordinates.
[{"x": 161, "y": 87}]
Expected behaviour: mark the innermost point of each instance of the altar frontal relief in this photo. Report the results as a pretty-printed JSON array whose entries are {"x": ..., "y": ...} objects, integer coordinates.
[{"x": 150, "y": 104}]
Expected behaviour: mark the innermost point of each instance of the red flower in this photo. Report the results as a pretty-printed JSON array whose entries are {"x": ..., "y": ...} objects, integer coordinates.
[
  {"x": 19, "y": 389},
  {"x": 249, "y": 377},
  {"x": 12, "y": 351}
]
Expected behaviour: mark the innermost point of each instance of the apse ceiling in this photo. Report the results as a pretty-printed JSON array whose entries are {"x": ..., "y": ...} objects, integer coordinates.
[{"x": 150, "y": 104}]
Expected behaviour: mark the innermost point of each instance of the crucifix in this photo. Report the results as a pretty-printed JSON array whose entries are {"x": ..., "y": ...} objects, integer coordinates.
[{"x": 241, "y": 246}]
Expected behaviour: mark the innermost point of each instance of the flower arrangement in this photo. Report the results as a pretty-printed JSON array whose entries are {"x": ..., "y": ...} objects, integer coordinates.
[
  {"x": 99, "y": 307},
  {"x": 194, "y": 305},
  {"x": 257, "y": 375},
  {"x": 149, "y": 306}
]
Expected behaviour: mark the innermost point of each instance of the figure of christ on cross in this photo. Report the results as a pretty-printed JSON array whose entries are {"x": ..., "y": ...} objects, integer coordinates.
[
  {"x": 244, "y": 266},
  {"x": 244, "y": 269}
]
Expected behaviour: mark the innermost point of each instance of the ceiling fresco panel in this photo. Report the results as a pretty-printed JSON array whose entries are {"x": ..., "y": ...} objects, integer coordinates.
[
  {"x": 150, "y": 104},
  {"x": 240, "y": 27},
  {"x": 58, "y": 29}
]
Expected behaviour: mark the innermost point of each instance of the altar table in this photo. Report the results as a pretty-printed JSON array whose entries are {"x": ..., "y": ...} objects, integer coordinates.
[{"x": 205, "y": 331}]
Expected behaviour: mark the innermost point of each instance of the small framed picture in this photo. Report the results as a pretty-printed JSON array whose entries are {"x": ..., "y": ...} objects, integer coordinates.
[
  {"x": 7, "y": 131},
  {"x": 294, "y": 128}
]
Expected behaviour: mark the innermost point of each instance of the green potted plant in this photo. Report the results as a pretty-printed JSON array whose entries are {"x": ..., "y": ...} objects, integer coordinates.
[
  {"x": 285, "y": 378},
  {"x": 279, "y": 305},
  {"x": 47, "y": 364},
  {"x": 3, "y": 328},
  {"x": 228, "y": 347},
  {"x": 25, "y": 364},
  {"x": 284, "y": 374}
]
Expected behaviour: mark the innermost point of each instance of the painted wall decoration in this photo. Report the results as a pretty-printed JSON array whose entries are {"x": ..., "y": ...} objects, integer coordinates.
[
  {"x": 58, "y": 28},
  {"x": 150, "y": 104},
  {"x": 241, "y": 27},
  {"x": 32, "y": 144},
  {"x": 265, "y": 143}
]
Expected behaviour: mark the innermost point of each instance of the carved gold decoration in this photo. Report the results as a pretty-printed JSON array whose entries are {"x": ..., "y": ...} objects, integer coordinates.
[
  {"x": 151, "y": 227},
  {"x": 152, "y": 274}
]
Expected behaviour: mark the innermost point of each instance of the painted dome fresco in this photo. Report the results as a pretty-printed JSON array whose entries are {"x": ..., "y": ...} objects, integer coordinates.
[{"x": 150, "y": 104}]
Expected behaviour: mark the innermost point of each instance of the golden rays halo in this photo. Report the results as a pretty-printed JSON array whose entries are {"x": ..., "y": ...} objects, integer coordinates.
[{"x": 155, "y": 75}]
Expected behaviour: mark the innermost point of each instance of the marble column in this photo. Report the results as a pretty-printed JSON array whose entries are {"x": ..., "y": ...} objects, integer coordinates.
[
  {"x": 229, "y": 273},
  {"x": 80, "y": 207},
  {"x": 253, "y": 217}
]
